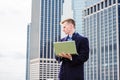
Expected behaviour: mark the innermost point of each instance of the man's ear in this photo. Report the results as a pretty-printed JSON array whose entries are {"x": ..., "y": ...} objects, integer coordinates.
[{"x": 71, "y": 26}]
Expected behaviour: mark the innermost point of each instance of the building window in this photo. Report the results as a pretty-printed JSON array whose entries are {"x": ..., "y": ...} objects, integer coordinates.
[
  {"x": 95, "y": 8},
  {"x": 105, "y": 3},
  {"x": 98, "y": 6},
  {"x": 88, "y": 11},
  {"x": 101, "y": 5},
  {"x": 109, "y": 2},
  {"x": 114, "y": 1},
  {"x": 118, "y": 1},
  {"x": 85, "y": 12},
  {"x": 91, "y": 9}
]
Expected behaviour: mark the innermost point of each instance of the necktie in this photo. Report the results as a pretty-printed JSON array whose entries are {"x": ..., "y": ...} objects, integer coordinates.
[{"x": 69, "y": 38}]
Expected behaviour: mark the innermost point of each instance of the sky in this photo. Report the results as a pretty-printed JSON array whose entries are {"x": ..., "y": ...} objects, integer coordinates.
[{"x": 15, "y": 15}]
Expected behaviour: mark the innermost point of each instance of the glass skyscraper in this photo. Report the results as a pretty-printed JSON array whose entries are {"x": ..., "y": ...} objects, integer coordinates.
[
  {"x": 77, "y": 7},
  {"x": 44, "y": 30},
  {"x": 28, "y": 53},
  {"x": 91, "y": 2},
  {"x": 73, "y": 9},
  {"x": 101, "y": 24}
]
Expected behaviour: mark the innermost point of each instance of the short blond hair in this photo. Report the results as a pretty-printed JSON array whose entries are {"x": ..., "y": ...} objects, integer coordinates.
[{"x": 69, "y": 20}]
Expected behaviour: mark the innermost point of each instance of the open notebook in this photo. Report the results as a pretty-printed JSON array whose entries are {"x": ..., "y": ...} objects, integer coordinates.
[{"x": 66, "y": 47}]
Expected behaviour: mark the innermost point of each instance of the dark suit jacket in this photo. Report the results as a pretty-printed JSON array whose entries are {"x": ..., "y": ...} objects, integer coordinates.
[{"x": 74, "y": 70}]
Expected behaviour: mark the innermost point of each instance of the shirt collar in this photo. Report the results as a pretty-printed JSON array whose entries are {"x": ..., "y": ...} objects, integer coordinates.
[{"x": 71, "y": 35}]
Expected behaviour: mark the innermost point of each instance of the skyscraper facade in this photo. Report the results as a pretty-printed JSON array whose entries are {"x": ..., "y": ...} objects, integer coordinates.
[
  {"x": 67, "y": 13},
  {"x": 28, "y": 53},
  {"x": 91, "y": 2},
  {"x": 77, "y": 7},
  {"x": 101, "y": 24},
  {"x": 73, "y": 9},
  {"x": 44, "y": 30}
]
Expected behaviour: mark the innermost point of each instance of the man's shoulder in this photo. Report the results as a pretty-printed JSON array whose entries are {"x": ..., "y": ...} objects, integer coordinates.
[{"x": 80, "y": 37}]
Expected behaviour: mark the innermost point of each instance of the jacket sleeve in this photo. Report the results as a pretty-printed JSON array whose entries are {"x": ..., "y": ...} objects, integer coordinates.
[
  {"x": 59, "y": 59},
  {"x": 83, "y": 52}
]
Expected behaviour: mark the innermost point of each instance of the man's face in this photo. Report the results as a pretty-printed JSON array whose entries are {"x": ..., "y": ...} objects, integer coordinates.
[{"x": 67, "y": 27}]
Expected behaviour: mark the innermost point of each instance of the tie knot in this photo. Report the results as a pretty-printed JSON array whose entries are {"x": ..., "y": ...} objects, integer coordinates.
[{"x": 69, "y": 38}]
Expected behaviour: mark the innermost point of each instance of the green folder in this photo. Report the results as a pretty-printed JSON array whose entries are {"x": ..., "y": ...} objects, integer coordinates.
[{"x": 66, "y": 47}]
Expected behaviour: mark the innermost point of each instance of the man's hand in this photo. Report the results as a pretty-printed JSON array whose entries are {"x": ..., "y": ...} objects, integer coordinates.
[{"x": 65, "y": 55}]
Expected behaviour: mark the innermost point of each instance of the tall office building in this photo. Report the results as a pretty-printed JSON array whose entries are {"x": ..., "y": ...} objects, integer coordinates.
[
  {"x": 67, "y": 13},
  {"x": 67, "y": 9},
  {"x": 28, "y": 53},
  {"x": 91, "y": 2},
  {"x": 44, "y": 30},
  {"x": 73, "y": 9},
  {"x": 77, "y": 7},
  {"x": 101, "y": 24}
]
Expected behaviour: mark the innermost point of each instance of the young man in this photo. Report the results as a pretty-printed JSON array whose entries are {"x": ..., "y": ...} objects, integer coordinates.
[{"x": 72, "y": 67}]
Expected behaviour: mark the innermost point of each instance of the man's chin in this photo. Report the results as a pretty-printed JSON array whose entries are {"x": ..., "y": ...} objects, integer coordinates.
[{"x": 66, "y": 33}]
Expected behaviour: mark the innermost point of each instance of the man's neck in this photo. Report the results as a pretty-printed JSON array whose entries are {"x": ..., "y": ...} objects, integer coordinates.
[{"x": 71, "y": 33}]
